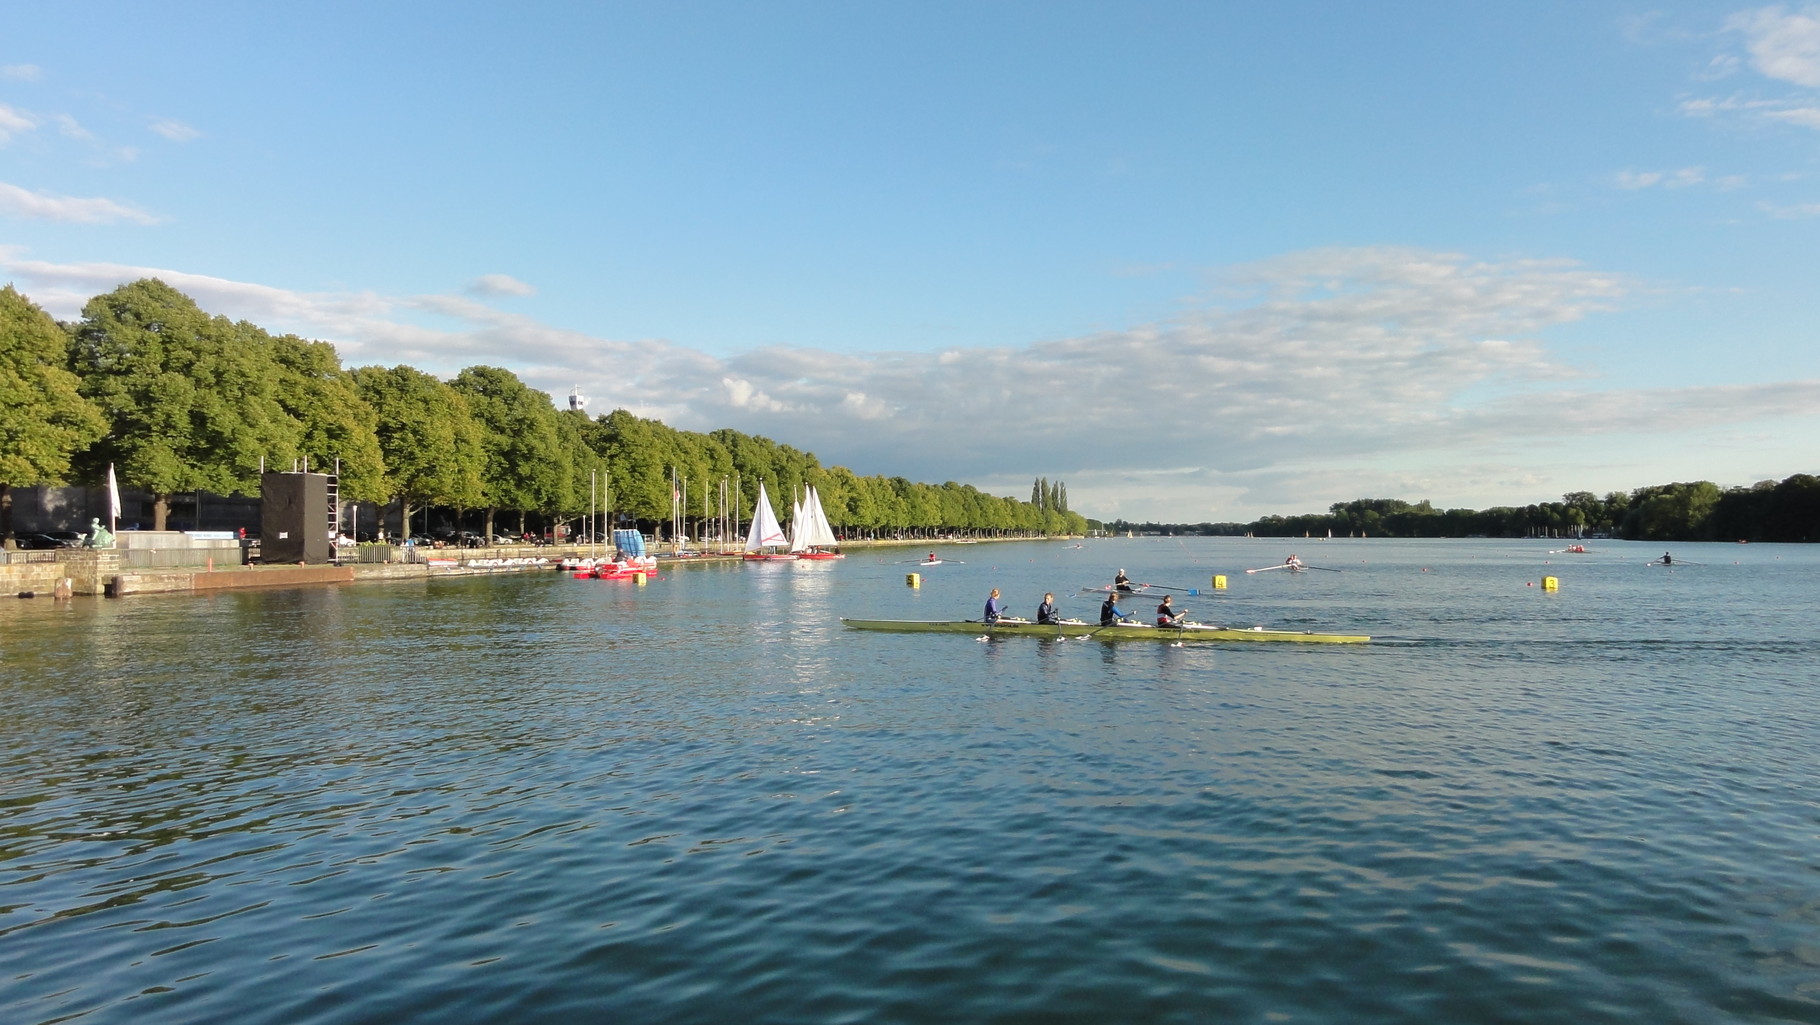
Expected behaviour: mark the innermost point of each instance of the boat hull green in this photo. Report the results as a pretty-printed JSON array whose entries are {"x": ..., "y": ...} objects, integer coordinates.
[{"x": 1119, "y": 632}]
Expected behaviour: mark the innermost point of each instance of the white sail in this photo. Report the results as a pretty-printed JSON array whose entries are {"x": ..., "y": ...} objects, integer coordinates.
[
  {"x": 799, "y": 528},
  {"x": 821, "y": 533},
  {"x": 765, "y": 532}
]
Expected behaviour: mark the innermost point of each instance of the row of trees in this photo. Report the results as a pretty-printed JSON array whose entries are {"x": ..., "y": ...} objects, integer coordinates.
[
  {"x": 1786, "y": 510},
  {"x": 641, "y": 456},
  {"x": 179, "y": 401}
]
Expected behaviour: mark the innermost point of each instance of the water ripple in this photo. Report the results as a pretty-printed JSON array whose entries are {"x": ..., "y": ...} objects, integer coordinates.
[{"x": 524, "y": 799}]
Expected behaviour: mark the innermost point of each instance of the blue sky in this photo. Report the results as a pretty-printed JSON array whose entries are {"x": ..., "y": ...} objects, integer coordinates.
[{"x": 1201, "y": 261}]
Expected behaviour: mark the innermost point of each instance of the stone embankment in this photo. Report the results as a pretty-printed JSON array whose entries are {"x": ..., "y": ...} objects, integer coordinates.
[{"x": 101, "y": 571}]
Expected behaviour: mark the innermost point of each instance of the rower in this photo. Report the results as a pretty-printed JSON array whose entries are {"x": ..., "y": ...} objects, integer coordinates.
[
  {"x": 993, "y": 609},
  {"x": 1122, "y": 582},
  {"x": 1046, "y": 612},
  {"x": 1110, "y": 612},
  {"x": 1293, "y": 562},
  {"x": 1667, "y": 559},
  {"x": 1166, "y": 615},
  {"x": 932, "y": 557}
]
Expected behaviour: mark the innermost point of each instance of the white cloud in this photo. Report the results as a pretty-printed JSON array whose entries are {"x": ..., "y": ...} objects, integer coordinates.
[
  {"x": 21, "y": 72},
  {"x": 12, "y": 122},
  {"x": 175, "y": 131},
  {"x": 499, "y": 285},
  {"x": 1686, "y": 177},
  {"x": 1724, "y": 65},
  {"x": 1792, "y": 212},
  {"x": 71, "y": 129},
  {"x": 1324, "y": 366},
  {"x": 1806, "y": 117},
  {"x": 742, "y": 395},
  {"x": 1782, "y": 45},
  {"x": 1787, "y": 110},
  {"x": 44, "y": 206}
]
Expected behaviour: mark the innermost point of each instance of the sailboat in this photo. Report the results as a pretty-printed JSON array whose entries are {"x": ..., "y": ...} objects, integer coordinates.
[
  {"x": 766, "y": 537},
  {"x": 811, "y": 534}
]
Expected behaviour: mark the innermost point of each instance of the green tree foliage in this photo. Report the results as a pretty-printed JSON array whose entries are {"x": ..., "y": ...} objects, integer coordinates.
[
  {"x": 587, "y": 469},
  {"x": 1672, "y": 512},
  {"x": 192, "y": 401},
  {"x": 429, "y": 438},
  {"x": 44, "y": 419},
  {"x": 639, "y": 454},
  {"x": 527, "y": 466},
  {"x": 651, "y": 464},
  {"x": 338, "y": 428},
  {"x": 1699, "y": 511},
  {"x": 1790, "y": 512}
]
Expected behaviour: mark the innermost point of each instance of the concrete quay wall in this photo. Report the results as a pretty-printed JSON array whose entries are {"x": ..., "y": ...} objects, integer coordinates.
[
  {"x": 39, "y": 578},
  {"x": 170, "y": 581},
  {"x": 106, "y": 572}
]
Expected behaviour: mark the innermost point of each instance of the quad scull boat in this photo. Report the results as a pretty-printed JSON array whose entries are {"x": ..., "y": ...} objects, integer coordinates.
[{"x": 1115, "y": 632}]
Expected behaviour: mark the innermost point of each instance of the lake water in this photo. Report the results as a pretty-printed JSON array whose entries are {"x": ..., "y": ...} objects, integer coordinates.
[{"x": 536, "y": 799}]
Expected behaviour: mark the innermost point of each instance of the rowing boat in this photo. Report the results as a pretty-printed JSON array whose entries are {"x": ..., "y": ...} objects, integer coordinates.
[
  {"x": 1116, "y": 632},
  {"x": 1147, "y": 591},
  {"x": 1134, "y": 591}
]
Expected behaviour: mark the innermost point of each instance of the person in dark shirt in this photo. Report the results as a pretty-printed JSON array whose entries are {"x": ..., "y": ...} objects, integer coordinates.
[
  {"x": 1110, "y": 612},
  {"x": 993, "y": 609},
  {"x": 1046, "y": 612},
  {"x": 1122, "y": 582},
  {"x": 1166, "y": 615}
]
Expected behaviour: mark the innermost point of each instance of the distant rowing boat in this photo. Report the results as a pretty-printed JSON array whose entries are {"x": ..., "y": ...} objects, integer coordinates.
[
  {"x": 1116, "y": 632},
  {"x": 1147, "y": 591},
  {"x": 1294, "y": 567},
  {"x": 1135, "y": 591}
]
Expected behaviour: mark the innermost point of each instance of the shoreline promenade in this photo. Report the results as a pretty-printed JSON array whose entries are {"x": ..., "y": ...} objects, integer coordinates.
[{"x": 97, "y": 573}]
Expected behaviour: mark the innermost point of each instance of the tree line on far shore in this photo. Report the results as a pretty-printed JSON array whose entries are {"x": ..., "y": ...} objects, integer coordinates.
[
  {"x": 179, "y": 401},
  {"x": 1786, "y": 510}
]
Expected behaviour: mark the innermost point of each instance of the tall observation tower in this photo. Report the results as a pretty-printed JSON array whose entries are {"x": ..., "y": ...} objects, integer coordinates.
[{"x": 577, "y": 401}]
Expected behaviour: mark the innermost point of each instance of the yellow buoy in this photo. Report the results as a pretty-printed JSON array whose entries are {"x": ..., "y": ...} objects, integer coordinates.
[
  {"x": 639, "y": 579},
  {"x": 1219, "y": 581},
  {"x": 1551, "y": 584},
  {"x": 914, "y": 579}
]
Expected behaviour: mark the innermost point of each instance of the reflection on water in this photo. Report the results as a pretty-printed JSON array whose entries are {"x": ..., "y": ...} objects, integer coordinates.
[{"x": 541, "y": 799}]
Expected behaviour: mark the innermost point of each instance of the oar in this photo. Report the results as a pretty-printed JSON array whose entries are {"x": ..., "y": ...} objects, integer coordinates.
[
  {"x": 1184, "y": 590},
  {"x": 1677, "y": 562},
  {"x": 1266, "y": 569},
  {"x": 1324, "y": 569}
]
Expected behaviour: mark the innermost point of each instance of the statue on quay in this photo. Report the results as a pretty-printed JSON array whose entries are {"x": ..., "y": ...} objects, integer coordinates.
[{"x": 98, "y": 535}]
